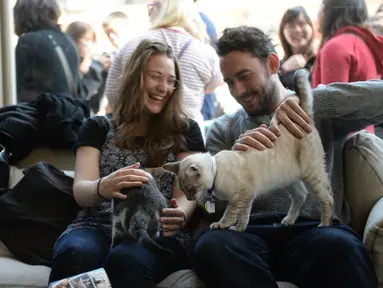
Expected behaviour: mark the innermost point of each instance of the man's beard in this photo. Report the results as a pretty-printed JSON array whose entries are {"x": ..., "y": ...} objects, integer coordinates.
[{"x": 265, "y": 102}]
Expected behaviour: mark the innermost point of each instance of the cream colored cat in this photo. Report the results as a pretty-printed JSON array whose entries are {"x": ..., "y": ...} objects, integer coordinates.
[{"x": 241, "y": 176}]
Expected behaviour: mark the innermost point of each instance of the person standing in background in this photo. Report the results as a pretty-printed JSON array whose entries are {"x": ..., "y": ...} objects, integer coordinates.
[
  {"x": 39, "y": 69},
  {"x": 296, "y": 34},
  {"x": 376, "y": 21},
  {"x": 349, "y": 51},
  {"x": 114, "y": 27},
  {"x": 208, "y": 107},
  {"x": 93, "y": 72}
]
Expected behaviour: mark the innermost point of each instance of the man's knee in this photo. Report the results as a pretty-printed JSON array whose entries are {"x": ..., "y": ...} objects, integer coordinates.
[
  {"x": 339, "y": 243},
  {"x": 212, "y": 244}
]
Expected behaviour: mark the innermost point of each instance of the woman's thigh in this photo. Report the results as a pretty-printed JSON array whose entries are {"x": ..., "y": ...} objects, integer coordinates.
[{"x": 79, "y": 251}]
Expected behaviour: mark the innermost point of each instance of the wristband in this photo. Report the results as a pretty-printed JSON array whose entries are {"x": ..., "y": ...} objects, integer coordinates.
[{"x": 98, "y": 188}]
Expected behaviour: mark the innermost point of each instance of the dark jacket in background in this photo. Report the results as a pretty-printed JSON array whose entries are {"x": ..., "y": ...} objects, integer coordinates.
[
  {"x": 92, "y": 85},
  {"x": 51, "y": 119},
  {"x": 38, "y": 68}
]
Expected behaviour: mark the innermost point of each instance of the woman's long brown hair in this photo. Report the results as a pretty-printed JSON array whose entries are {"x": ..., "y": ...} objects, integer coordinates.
[
  {"x": 166, "y": 129},
  {"x": 341, "y": 13}
]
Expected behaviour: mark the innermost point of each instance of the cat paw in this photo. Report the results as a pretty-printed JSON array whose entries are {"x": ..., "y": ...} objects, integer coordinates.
[
  {"x": 240, "y": 227},
  {"x": 326, "y": 222},
  {"x": 218, "y": 225},
  {"x": 287, "y": 221}
]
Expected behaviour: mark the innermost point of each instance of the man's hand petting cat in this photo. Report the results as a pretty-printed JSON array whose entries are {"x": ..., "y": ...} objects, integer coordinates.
[
  {"x": 172, "y": 219},
  {"x": 292, "y": 116},
  {"x": 127, "y": 177},
  {"x": 259, "y": 138}
]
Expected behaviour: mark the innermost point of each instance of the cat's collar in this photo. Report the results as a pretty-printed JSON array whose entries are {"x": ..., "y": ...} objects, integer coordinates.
[
  {"x": 210, "y": 203},
  {"x": 214, "y": 170}
]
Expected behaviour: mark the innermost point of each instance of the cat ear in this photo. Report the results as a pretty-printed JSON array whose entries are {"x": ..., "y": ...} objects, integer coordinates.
[
  {"x": 172, "y": 167},
  {"x": 193, "y": 170}
]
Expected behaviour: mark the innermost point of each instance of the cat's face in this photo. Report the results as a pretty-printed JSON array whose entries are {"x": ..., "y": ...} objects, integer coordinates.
[{"x": 190, "y": 179}]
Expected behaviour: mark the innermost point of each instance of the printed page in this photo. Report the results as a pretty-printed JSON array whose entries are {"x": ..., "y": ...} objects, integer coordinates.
[{"x": 92, "y": 279}]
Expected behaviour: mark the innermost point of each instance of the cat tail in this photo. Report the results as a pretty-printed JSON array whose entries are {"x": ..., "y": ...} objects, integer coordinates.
[
  {"x": 303, "y": 91},
  {"x": 138, "y": 229}
]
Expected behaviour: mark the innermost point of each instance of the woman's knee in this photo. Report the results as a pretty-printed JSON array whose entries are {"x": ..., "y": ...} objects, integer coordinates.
[
  {"x": 77, "y": 252},
  {"x": 81, "y": 246},
  {"x": 129, "y": 256}
]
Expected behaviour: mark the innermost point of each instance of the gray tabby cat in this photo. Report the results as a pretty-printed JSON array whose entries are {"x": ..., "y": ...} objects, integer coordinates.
[
  {"x": 137, "y": 217},
  {"x": 238, "y": 177}
]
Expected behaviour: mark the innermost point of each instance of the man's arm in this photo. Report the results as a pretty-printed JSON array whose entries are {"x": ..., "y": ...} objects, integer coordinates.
[
  {"x": 215, "y": 139},
  {"x": 351, "y": 106}
]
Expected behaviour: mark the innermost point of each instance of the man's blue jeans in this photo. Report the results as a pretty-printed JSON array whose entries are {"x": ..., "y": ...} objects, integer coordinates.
[
  {"x": 127, "y": 265},
  {"x": 304, "y": 254}
]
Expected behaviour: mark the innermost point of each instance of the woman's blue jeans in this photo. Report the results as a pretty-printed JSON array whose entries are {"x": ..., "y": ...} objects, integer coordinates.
[{"x": 127, "y": 264}]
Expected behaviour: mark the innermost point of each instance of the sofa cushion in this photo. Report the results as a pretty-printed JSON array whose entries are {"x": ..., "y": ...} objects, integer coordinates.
[
  {"x": 363, "y": 174},
  {"x": 373, "y": 239},
  {"x": 16, "y": 274}
]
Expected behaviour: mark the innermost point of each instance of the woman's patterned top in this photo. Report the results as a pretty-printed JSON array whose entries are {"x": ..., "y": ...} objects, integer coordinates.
[{"x": 113, "y": 158}]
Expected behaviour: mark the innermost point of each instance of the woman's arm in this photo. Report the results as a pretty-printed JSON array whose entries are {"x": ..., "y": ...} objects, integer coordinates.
[
  {"x": 87, "y": 173},
  {"x": 87, "y": 178}
]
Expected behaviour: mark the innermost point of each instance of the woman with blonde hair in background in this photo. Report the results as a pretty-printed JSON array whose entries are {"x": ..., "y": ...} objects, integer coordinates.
[
  {"x": 179, "y": 25},
  {"x": 148, "y": 129}
]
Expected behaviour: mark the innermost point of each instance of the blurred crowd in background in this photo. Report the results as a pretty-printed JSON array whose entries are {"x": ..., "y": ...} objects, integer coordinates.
[{"x": 100, "y": 28}]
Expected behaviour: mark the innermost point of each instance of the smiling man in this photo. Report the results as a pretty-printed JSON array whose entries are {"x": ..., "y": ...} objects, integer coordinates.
[{"x": 304, "y": 254}]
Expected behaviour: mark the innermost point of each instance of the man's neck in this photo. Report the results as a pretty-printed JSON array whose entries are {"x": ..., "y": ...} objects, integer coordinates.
[{"x": 278, "y": 94}]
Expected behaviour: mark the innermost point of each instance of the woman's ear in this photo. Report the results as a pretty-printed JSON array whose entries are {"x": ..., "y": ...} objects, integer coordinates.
[{"x": 273, "y": 63}]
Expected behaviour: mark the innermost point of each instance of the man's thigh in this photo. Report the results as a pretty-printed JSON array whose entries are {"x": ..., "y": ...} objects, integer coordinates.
[
  {"x": 226, "y": 258},
  {"x": 331, "y": 256}
]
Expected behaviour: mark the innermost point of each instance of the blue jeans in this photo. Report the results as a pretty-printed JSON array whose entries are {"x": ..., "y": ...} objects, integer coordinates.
[
  {"x": 127, "y": 264},
  {"x": 208, "y": 107},
  {"x": 303, "y": 254}
]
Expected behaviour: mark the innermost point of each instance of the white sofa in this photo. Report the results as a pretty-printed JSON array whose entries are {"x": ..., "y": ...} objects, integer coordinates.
[{"x": 363, "y": 165}]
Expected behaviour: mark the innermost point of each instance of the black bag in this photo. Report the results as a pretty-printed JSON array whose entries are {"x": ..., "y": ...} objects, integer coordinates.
[{"x": 35, "y": 213}]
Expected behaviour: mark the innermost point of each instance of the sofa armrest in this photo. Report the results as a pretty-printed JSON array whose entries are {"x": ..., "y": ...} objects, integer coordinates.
[
  {"x": 363, "y": 176},
  {"x": 62, "y": 159},
  {"x": 373, "y": 238}
]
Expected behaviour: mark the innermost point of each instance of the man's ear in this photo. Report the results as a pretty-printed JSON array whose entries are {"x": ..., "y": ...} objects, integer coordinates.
[
  {"x": 172, "y": 167},
  {"x": 273, "y": 63},
  {"x": 193, "y": 170}
]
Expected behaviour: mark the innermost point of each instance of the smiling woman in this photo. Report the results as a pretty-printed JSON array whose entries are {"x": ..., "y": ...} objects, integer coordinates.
[
  {"x": 155, "y": 106},
  {"x": 148, "y": 128}
]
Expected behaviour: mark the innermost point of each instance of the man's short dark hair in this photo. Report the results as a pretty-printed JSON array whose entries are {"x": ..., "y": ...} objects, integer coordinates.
[{"x": 245, "y": 39}]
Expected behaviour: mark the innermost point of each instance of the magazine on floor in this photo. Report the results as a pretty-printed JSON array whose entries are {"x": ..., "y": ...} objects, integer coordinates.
[{"x": 92, "y": 279}]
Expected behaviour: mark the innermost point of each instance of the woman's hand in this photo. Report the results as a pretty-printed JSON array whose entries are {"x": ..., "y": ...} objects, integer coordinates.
[
  {"x": 292, "y": 116},
  {"x": 259, "y": 138},
  {"x": 172, "y": 219},
  {"x": 127, "y": 177},
  {"x": 295, "y": 62}
]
